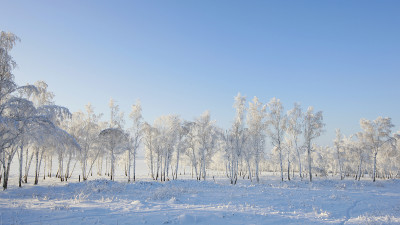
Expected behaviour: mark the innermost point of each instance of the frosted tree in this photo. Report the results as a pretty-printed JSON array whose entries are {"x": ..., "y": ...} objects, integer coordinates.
[
  {"x": 313, "y": 128},
  {"x": 8, "y": 127},
  {"x": 321, "y": 159},
  {"x": 135, "y": 137},
  {"x": 180, "y": 147},
  {"x": 23, "y": 111},
  {"x": 201, "y": 138},
  {"x": 207, "y": 136},
  {"x": 114, "y": 141},
  {"x": 43, "y": 101},
  {"x": 237, "y": 137},
  {"x": 294, "y": 130},
  {"x": 394, "y": 157},
  {"x": 338, "y": 143},
  {"x": 42, "y": 96},
  {"x": 116, "y": 117},
  {"x": 57, "y": 115},
  {"x": 7, "y": 64},
  {"x": 115, "y": 137},
  {"x": 168, "y": 131},
  {"x": 16, "y": 112},
  {"x": 256, "y": 131},
  {"x": 52, "y": 137},
  {"x": 14, "y": 120},
  {"x": 149, "y": 136},
  {"x": 277, "y": 122},
  {"x": 86, "y": 129},
  {"x": 192, "y": 146},
  {"x": 41, "y": 141},
  {"x": 358, "y": 149},
  {"x": 287, "y": 149},
  {"x": 377, "y": 134}
]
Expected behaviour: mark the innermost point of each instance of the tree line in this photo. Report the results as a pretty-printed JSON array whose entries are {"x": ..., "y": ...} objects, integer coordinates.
[{"x": 262, "y": 137}]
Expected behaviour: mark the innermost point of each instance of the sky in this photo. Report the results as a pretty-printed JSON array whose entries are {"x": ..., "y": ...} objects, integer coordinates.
[{"x": 185, "y": 57}]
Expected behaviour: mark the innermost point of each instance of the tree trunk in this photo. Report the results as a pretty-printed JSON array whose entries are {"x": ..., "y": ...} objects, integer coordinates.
[
  {"x": 288, "y": 167},
  {"x": 298, "y": 156},
  {"x": 177, "y": 164},
  {"x": 129, "y": 165},
  {"x": 37, "y": 166},
  {"x": 51, "y": 165},
  {"x": 134, "y": 164},
  {"x": 44, "y": 168},
  {"x": 112, "y": 165},
  {"x": 280, "y": 160},
  {"x": 158, "y": 165},
  {"x": 151, "y": 163},
  {"x": 309, "y": 161},
  {"x": 257, "y": 176},
  {"x": 339, "y": 164},
  {"x": 20, "y": 166},
  {"x": 40, "y": 163},
  {"x": 68, "y": 164},
  {"x": 27, "y": 166},
  {"x": 249, "y": 169},
  {"x": 374, "y": 172},
  {"x": 60, "y": 166},
  {"x": 6, "y": 173}
]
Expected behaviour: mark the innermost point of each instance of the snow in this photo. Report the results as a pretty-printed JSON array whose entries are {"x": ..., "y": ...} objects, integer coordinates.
[{"x": 187, "y": 201}]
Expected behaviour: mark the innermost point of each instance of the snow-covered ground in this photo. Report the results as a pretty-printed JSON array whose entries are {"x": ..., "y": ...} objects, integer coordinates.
[{"x": 186, "y": 201}]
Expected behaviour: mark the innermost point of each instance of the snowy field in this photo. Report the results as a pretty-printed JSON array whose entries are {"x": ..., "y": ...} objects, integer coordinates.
[{"x": 215, "y": 201}]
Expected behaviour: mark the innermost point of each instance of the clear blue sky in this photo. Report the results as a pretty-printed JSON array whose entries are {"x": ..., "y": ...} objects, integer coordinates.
[{"x": 184, "y": 57}]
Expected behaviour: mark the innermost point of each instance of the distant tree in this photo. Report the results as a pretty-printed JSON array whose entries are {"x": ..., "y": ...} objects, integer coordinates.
[
  {"x": 180, "y": 146},
  {"x": 377, "y": 134},
  {"x": 201, "y": 139},
  {"x": 114, "y": 141},
  {"x": 359, "y": 150},
  {"x": 57, "y": 116},
  {"x": 294, "y": 130},
  {"x": 116, "y": 117},
  {"x": 338, "y": 143},
  {"x": 149, "y": 135},
  {"x": 237, "y": 137},
  {"x": 256, "y": 122},
  {"x": 192, "y": 146},
  {"x": 168, "y": 131},
  {"x": 207, "y": 135},
  {"x": 86, "y": 129},
  {"x": 277, "y": 122},
  {"x": 135, "y": 137},
  {"x": 313, "y": 128}
]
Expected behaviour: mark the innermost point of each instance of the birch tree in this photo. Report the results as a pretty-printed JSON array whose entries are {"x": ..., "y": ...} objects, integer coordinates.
[
  {"x": 277, "y": 122},
  {"x": 358, "y": 149},
  {"x": 86, "y": 131},
  {"x": 294, "y": 130},
  {"x": 338, "y": 143},
  {"x": 237, "y": 137},
  {"x": 135, "y": 137},
  {"x": 377, "y": 134},
  {"x": 115, "y": 142},
  {"x": 13, "y": 122},
  {"x": 312, "y": 128},
  {"x": 180, "y": 146},
  {"x": 207, "y": 136},
  {"x": 256, "y": 122},
  {"x": 149, "y": 135},
  {"x": 168, "y": 131}
]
